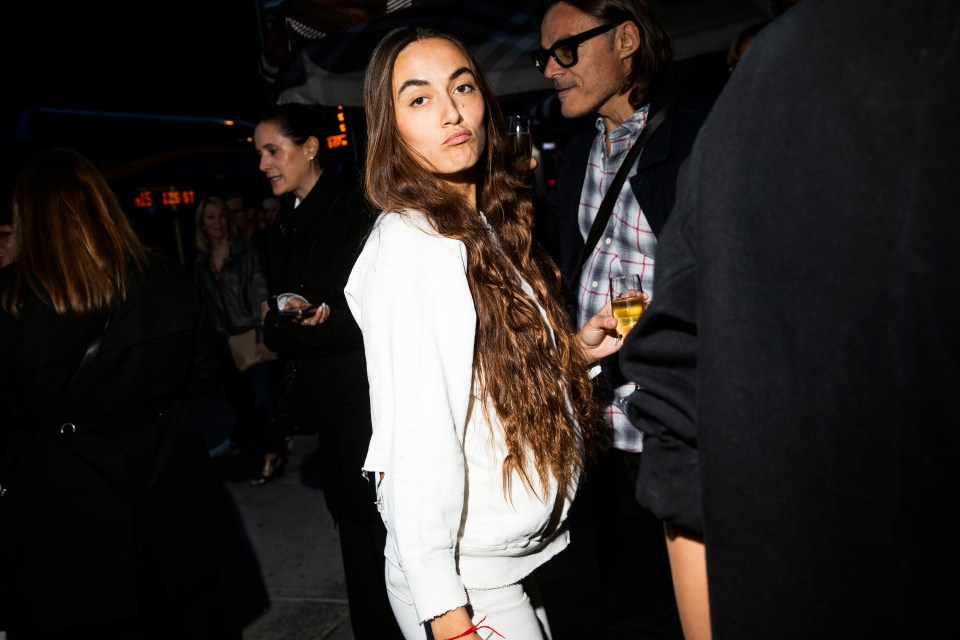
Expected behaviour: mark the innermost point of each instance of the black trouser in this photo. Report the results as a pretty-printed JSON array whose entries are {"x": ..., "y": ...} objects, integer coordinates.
[
  {"x": 361, "y": 544},
  {"x": 635, "y": 581},
  {"x": 343, "y": 441}
]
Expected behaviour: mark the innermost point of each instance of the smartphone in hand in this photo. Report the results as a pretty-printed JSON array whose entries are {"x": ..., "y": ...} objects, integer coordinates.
[{"x": 303, "y": 311}]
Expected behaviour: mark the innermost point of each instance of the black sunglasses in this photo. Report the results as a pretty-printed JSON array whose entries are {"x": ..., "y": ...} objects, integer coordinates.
[{"x": 565, "y": 51}]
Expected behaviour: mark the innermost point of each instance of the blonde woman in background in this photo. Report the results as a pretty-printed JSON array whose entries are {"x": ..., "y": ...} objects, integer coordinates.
[{"x": 230, "y": 276}]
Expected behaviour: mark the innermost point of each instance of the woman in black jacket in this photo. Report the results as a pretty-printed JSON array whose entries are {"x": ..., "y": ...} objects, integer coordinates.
[
  {"x": 312, "y": 249},
  {"x": 112, "y": 520}
]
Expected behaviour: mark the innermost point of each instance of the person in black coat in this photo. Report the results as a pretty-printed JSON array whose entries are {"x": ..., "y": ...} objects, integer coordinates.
[
  {"x": 113, "y": 522},
  {"x": 313, "y": 247},
  {"x": 800, "y": 365}
]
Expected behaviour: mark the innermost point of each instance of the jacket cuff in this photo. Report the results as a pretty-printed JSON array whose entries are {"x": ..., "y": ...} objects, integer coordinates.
[{"x": 436, "y": 587}]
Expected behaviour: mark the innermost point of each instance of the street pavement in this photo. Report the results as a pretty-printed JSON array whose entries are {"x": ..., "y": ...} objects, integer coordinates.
[{"x": 289, "y": 583}]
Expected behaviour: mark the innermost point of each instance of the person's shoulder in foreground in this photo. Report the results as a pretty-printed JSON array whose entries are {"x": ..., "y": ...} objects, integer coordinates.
[{"x": 821, "y": 305}]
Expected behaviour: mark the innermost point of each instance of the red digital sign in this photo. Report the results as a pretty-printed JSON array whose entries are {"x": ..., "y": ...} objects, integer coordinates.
[{"x": 168, "y": 198}]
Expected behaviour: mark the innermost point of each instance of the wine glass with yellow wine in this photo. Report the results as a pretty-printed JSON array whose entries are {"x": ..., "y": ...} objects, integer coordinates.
[
  {"x": 520, "y": 142},
  {"x": 627, "y": 301}
]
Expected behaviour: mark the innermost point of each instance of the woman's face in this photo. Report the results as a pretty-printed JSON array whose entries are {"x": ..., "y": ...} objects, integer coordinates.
[
  {"x": 7, "y": 250},
  {"x": 215, "y": 223},
  {"x": 439, "y": 110},
  {"x": 287, "y": 165}
]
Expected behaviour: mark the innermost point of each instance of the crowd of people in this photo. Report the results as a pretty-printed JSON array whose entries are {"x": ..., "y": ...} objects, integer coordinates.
[{"x": 759, "y": 457}]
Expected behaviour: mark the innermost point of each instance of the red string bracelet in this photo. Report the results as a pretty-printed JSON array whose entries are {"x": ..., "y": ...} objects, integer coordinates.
[{"x": 476, "y": 628}]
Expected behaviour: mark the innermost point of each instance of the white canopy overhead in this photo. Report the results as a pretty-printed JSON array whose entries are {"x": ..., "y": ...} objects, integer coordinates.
[{"x": 329, "y": 42}]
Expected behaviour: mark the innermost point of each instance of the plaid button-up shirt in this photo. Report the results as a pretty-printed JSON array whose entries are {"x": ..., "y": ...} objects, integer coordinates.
[{"x": 626, "y": 246}]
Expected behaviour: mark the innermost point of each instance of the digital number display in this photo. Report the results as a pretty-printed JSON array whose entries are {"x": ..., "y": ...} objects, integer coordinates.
[
  {"x": 335, "y": 142},
  {"x": 168, "y": 198},
  {"x": 339, "y": 140}
]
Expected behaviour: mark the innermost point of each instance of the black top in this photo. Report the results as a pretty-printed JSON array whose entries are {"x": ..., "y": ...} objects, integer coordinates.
[
  {"x": 312, "y": 251},
  {"x": 131, "y": 496}
]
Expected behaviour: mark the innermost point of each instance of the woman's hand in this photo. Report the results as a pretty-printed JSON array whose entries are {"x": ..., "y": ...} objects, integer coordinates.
[
  {"x": 319, "y": 317},
  {"x": 598, "y": 337},
  {"x": 264, "y": 354}
]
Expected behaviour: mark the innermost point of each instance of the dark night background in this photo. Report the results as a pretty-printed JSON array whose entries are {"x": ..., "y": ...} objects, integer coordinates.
[{"x": 185, "y": 57}]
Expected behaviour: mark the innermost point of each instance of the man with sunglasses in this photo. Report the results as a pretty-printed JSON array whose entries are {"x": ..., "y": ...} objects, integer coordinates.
[{"x": 612, "y": 59}]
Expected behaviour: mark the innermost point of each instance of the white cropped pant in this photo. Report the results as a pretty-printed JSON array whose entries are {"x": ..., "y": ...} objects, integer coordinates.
[{"x": 508, "y": 609}]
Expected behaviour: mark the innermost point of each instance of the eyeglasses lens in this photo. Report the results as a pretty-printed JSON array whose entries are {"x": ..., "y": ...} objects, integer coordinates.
[
  {"x": 565, "y": 51},
  {"x": 566, "y": 55}
]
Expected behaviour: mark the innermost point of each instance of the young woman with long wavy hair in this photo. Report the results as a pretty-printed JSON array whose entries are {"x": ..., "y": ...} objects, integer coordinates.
[{"x": 481, "y": 398}]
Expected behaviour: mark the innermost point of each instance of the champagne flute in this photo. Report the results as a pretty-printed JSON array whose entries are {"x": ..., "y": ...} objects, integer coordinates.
[
  {"x": 627, "y": 301},
  {"x": 520, "y": 141}
]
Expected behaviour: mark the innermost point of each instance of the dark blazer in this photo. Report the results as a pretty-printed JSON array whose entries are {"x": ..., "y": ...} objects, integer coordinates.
[
  {"x": 654, "y": 184},
  {"x": 130, "y": 501},
  {"x": 313, "y": 248}
]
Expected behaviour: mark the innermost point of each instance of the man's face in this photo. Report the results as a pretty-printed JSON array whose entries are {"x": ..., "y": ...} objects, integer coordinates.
[
  {"x": 7, "y": 252},
  {"x": 268, "y": 212},
  {"x": 240, "y": 215},
  {"x": 590, "y": 85}
]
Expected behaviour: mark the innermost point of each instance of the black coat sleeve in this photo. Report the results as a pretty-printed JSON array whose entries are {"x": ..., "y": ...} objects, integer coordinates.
[
  {"x": 659, "y": 355},
  {"x": 320, "y": 275}
]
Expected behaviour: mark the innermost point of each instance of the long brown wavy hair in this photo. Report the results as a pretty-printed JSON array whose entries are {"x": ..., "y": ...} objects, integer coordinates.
[
  {"x": 525, "y": 375},
  {"x": 76, "y": 244}
]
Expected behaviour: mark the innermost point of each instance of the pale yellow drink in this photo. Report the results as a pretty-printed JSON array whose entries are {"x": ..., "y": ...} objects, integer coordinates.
[
  {"x": 627, "y": 310},
  {"x": 522, "y": 145}
]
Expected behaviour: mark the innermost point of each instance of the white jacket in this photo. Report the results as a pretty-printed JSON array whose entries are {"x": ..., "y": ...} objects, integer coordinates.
[{"x": 449, "y": 523}]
